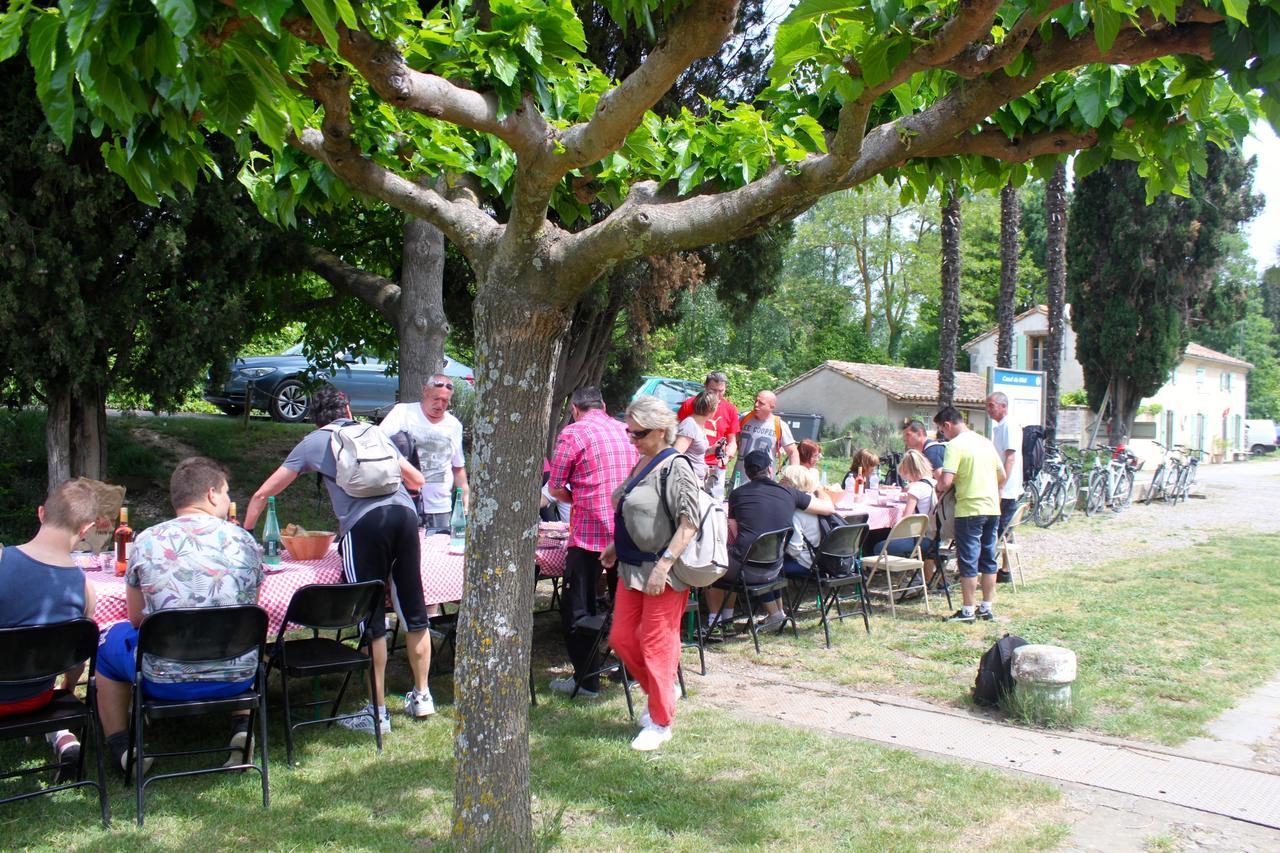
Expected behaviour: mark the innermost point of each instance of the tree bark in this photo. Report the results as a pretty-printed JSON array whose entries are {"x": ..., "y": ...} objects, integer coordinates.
[
  {"x": 1124, "y": 409},
  {"x": 88, "y": 433},
  {"x": 949, "y": 320},
  {"x": 1010, "y": 221},
  {"x": 518, "y": 345},
  {"x": 1055, "y": 210},
  {"x": 421, "y": 321},
  {"x": 57, "y": 435}
]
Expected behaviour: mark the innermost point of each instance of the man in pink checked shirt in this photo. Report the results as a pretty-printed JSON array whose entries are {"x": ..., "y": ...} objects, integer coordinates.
[{"x": 592, "y": 458}]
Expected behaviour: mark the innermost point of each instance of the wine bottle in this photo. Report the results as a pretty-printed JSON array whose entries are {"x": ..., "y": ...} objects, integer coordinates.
[
  {"x": 124, "y": 541},
  {"x": 458, "y": 525},
  {"x": 231, "y": 514},
  {"x": 271, "y": 545}
]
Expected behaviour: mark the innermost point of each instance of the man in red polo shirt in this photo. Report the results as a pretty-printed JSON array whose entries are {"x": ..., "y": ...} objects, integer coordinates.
[{"x": 721, "y": 426}]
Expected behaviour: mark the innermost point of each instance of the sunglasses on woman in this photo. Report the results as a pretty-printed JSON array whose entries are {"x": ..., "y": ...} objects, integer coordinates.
[{"x": 638, "y": 434}]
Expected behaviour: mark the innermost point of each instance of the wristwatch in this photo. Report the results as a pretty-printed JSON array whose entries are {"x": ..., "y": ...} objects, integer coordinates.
[{"x": 667, "y": 554}]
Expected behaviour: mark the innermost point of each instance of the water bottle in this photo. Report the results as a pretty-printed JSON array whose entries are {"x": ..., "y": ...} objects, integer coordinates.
[
  {"x": 873, "y": 481},
  {"x": 458, "y": 525},
  {"x": 271, "y": 545}
]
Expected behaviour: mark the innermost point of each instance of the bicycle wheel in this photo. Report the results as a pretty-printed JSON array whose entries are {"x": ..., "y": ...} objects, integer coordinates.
[
  {"x": 1172, "y": 477},
  {"x": 1123, "y": 494},
  {"x": 1051, "y": 502},
  {"x": 1157, "y": 484},
  {"x": 1096, "y": 501},
  {"x": 1070, "y": 497}
]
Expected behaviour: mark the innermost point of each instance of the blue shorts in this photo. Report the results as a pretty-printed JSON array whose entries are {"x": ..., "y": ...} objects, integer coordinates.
[
  {"x": 117, "y": 661},
  {"x": 976, "y": 545}
]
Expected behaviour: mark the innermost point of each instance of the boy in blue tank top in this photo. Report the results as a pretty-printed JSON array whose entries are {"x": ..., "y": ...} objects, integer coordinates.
[{"x": 39, "y": 585}]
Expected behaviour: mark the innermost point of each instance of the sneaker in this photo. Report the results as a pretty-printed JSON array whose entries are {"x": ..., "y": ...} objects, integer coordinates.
[
  {"x": 567, "y": 685},
  {"x": 66, "y": 753},
  {"x": 651, "y": 737},
  {"x": 645, "y": 720},
  {"x": 146, "y": 765},
  {"x": 419, "y": 704},
  {"x": 364, "y": 724},
  {"x": 774, "y": 622},
  {"x": 236, "y": 748},
  {"x": 959, "y": 616},
  {"x": 986, "y": 615}
]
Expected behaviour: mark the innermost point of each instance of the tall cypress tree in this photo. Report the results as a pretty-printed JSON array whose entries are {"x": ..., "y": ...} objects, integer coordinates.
[{"x": 1140, "y": 275}]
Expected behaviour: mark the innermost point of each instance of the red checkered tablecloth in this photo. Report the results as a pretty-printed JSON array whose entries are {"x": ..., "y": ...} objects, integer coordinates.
[
  {"x": 878, "y": 517},
  {"x": 442, "y": 575}
]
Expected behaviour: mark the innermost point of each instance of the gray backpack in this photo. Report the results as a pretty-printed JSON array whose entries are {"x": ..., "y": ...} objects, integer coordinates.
[{"x": 367, "y": 464}]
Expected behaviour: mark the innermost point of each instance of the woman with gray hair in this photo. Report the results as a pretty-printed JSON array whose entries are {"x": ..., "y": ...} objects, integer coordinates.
[{"x": 657, "y": 516}]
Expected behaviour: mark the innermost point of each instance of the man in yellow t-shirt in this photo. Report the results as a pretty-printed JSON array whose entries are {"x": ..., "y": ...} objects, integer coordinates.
[{"x": 972, "y": 467}]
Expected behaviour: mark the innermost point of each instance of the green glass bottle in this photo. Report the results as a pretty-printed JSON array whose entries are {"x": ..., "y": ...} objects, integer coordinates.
[
  {"x": 458, "y": 526},
  {"x": 271, "y": 545}
]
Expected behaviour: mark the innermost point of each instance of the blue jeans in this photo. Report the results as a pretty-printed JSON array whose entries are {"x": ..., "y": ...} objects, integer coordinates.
[
  {"x": 976, "y": 544},
  {"x": 904, "y": 547},
  {"x": 117, "y": 660},
  {"x": 1007, "y": 508}
]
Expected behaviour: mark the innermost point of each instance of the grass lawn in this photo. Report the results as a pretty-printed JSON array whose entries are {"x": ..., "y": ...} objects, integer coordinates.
[
  {"x": 1162, "y": 644},
  {"x": 719, "y": 783}
]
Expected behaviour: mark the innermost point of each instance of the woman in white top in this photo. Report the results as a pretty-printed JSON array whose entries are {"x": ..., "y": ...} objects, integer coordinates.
[
  {"x": 805, "y": 527},
  {"x": 917, "y": 473},
  {"x": 691, "y": 434}
]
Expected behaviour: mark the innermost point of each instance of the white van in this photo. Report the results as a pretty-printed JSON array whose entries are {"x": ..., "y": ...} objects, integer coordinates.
[{"x": 1260, "y": 435}]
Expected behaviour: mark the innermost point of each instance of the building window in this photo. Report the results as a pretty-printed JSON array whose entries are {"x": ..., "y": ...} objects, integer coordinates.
[
  {"x": 1036, "y": 348},
  {"x": 1224, "y": 382},
  {"x": 1173, "y": 376},
  {"x": 1200, "y": 377}
]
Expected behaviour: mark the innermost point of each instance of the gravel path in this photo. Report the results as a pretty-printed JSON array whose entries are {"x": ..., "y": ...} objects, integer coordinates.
[{"x": 1239, "y": 497}]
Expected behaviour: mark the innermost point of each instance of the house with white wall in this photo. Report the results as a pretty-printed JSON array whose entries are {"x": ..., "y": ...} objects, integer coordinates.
[{"x": 1202, "y": 405}]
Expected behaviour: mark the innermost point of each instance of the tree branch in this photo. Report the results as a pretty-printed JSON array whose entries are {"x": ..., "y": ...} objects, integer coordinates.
[
  {"x": 979, "y": 59},
  {"x": 463, "y": 222},
  {"x": 381, "y": 293},
  {"x": 992, "y": 142},
  {"x": 699, "y": 32}
]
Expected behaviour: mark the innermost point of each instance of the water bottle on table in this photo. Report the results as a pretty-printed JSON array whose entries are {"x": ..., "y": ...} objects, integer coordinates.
[
  {"x": 271, "y": 544},
  {"x": 458, "y": 526}
]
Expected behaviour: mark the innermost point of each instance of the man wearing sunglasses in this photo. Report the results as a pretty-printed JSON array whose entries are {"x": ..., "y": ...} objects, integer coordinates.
[{"x": 437, "y": 442}]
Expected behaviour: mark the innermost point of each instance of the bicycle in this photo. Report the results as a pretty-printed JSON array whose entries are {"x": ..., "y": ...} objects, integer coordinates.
[
  {"x": 1110, "y": 483},
  {"x": 1187, "y": 476},
  {"x": 1166, "y": 476}
]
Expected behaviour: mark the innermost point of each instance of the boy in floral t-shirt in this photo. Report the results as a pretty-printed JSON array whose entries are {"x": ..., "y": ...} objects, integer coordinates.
[{"x": 197, "y": 559}]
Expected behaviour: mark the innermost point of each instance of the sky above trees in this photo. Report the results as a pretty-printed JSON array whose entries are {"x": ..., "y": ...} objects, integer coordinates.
[{"x": 1264, "y": 231}]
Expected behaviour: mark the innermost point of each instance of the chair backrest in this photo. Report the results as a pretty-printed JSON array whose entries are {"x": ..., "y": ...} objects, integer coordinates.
[
  {"x": 910, "y": 527},
  {"x": 769, "y": 548},
  {"x": 37, "y": 653},
  {"x": 1015, "y": 519},
  {"x": 332, "y": 606},
  {"x": 203, "y": 634},
  {"x": 843, "y": 542}
]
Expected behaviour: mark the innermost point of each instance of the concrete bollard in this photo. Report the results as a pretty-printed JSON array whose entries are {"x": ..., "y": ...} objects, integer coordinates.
[{"x": 1043, "y": 675}]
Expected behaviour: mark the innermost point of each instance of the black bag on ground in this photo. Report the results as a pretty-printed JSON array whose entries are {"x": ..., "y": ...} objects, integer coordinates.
[
  {"x": 995, "y": 672},
  {"x": 1032, "y": 452}
]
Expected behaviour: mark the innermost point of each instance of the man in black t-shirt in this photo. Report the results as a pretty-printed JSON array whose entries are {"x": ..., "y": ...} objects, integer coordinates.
[{"x": 759, "y": 506}]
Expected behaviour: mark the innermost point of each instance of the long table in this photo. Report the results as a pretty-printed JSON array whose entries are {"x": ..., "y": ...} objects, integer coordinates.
[
  {"x": 878, "y": 517},
  {"x": 442, "y": 576}
]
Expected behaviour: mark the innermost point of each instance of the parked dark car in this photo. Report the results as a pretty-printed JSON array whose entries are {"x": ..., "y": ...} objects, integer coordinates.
[{"x": 280, "y": 384}]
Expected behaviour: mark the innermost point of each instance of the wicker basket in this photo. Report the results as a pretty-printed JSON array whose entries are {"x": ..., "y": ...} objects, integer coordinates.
[{"x": 314, "y": 545}]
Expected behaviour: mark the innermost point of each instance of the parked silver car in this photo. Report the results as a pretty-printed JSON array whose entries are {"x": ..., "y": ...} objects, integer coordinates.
[{"x": 279, "y": 384}]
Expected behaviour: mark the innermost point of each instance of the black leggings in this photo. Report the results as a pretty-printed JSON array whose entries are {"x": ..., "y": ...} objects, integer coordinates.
[{"x": 384, "y": 546}]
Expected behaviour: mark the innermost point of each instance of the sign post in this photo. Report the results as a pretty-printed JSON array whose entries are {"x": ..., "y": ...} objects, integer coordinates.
[{"x": 1025, "y": 390}]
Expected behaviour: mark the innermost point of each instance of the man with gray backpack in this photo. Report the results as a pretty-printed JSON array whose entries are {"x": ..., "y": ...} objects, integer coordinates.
[{"x": 377, "y": 528}]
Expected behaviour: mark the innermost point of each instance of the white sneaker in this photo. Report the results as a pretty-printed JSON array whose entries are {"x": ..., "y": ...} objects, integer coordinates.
[
  {"x": 236, "y": 749},
  {"x": 651, "y": 737},
  {"x": 645, "y": 720},
  {"x": 567, "y": 685},
  {"x": 418, "y": 704},
  {"x": 364, "y": 724}
]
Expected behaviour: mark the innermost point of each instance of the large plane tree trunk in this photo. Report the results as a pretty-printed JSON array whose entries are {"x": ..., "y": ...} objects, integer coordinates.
[
  {"x": 88, "y": 433},
  {"x": 518, "y": 345},
  {"x": 57, "y": 434}
]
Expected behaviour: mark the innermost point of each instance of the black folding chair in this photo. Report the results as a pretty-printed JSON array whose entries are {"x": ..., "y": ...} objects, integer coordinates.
[
  {"x": 199, "y": 635},
  {"x": 841, "y": 545},
  {"x": 30, "y": 657},
  {"x": 764, "y": 555},
  {"x": 600, "y": 624},
  {"x": 326, "y": 607}
]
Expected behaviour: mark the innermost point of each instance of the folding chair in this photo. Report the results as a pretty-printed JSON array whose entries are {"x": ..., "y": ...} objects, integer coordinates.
[
  {"x": 884, "y": 565},
  {"x": 199, "y": 635},
  {"x": 30, "y": 657},
  {"x": 1007, "y": 550},
  {"x": 326, "y": 607},
  {"x": 840, "y": 544},
  {"x": 765, "y": 555}
]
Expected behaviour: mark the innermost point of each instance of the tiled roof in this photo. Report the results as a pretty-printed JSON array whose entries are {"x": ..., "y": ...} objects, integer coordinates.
[
  {"x": 1197, "y": 351},
  {"x": 904, "y": 383}
]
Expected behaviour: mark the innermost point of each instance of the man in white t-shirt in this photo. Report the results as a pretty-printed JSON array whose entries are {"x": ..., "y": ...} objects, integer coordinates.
[
  {"x": 437, "y": 440},
  {"x": 1006, "y": 435}
]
